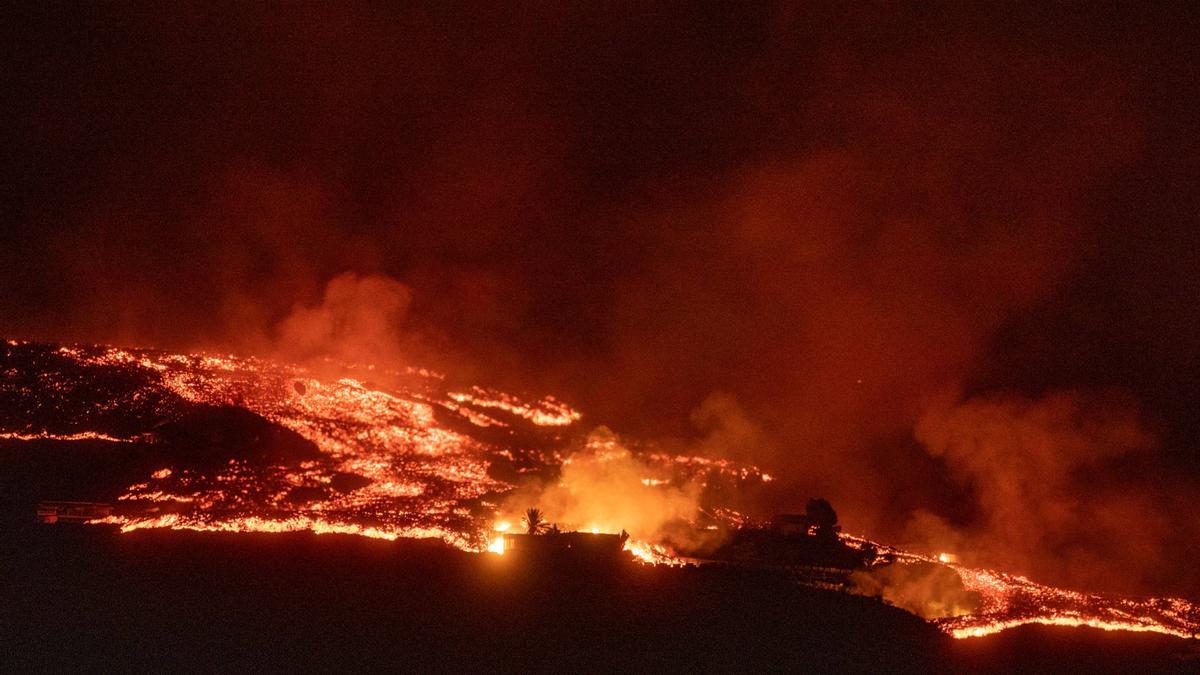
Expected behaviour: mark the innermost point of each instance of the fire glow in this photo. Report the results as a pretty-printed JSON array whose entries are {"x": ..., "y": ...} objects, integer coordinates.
[{"x": 403, "y": 462}]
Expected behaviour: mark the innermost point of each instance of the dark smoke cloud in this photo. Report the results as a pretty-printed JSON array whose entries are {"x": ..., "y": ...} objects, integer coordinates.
[
  {"x": 1068, "y": 487},
  {"x": 770, "y": 232}
]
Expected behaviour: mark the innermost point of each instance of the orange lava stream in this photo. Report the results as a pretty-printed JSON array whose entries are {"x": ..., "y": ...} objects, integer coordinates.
[
  {"x": 1010, "y": 600},
  {"x": 297, "y": 524},
  {"x": 547, "y": 412},
  {"x": 43, "y": 435}
]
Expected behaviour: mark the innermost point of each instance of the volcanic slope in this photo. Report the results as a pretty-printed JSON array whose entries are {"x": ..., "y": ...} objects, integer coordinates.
[{"x": 216, "y": 443}]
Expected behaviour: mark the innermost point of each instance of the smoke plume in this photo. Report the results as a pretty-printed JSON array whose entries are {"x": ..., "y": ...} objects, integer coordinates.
[
  {"x": 603, "y": 486},
  {"x": 925, "y": 589},
  {"x": 360, "y": 320},
  {"x": 1067, "y": 487}
]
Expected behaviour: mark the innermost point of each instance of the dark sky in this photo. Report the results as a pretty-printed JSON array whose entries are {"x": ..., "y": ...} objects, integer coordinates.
[{"x": 863, "y": 245}]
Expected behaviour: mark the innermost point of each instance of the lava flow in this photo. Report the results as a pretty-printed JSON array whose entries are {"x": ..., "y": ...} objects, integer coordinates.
[
  {"x": 415, "y": 459},
  {"x": 1009, "y": 600}
]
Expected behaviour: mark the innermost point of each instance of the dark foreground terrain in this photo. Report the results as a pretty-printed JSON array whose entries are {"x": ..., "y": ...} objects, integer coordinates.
[
  {"x": 79, "y": 598},
  {"x": 88, "y": 597},
  {"x": 85, "y": 598}
]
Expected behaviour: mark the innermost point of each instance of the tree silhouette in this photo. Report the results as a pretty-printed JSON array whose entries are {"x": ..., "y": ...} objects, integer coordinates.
[
  {"x": 535, "y": 522},
  {"x": 822, "y": 518}
]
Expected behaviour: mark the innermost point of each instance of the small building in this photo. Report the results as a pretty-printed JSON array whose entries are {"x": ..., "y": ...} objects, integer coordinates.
[
  {"x": 791, "y": 524},
  {"x": 49, "y": 513},
  {"x": 566, "y": 544}
]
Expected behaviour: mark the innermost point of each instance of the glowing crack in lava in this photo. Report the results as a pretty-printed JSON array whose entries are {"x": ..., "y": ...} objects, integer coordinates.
[{"x": 413, "y": 459}]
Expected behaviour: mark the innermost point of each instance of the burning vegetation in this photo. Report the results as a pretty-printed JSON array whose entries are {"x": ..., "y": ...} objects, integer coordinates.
[{"x": 246, "y": 444}]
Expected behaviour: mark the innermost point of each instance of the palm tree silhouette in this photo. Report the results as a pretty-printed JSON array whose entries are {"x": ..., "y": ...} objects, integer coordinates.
[{"x": 535, "y": 522}]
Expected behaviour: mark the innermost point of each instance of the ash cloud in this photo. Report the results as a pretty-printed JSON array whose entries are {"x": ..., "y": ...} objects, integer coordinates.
[{"x": 828, "y": 214}]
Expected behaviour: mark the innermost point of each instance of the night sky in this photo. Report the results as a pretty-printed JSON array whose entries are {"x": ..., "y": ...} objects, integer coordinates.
[{"x": 935, "y": 262}]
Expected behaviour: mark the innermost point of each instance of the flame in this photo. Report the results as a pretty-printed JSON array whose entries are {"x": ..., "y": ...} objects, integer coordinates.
[
  {"x": 497, "y": 545},
  {"x": 651, "y": 554}
]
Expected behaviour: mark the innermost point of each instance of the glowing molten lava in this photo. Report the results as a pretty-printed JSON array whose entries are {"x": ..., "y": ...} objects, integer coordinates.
[
  {"x": 1010, "y": 600},
  {"x": 416, "y": 459},
  {"x": 408, "y": 460}
]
